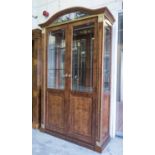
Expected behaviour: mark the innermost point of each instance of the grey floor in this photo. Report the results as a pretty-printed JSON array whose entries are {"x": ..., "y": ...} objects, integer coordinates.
[{"x": 44, "y": 144}]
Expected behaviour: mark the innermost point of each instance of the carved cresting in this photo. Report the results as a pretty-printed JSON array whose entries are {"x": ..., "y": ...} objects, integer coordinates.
[{"x": 84, "y": 12}]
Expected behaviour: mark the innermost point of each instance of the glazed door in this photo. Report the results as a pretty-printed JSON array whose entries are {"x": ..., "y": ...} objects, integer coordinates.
[
  {"x": 82, "y": 82},
  {"x": 56, "y": 79},
  {"x": 71, "y": 80}
]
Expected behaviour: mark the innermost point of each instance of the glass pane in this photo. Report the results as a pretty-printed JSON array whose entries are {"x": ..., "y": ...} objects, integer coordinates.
[
  {"x": 70, "y": 16},
  {"x": 82, "y": 58},
  {"x": 119, "y": 105},
  {"x": 120, "y": 58},
  {"x": 56, "y": 54},
  {"x": 107, "y": 51}
]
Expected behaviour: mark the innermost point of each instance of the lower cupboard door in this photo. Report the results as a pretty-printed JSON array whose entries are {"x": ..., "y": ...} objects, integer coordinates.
[{"x": 81, "y": 118}]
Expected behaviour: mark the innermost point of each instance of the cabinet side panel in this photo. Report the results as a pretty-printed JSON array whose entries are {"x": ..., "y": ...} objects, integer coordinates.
[
  {"x": 105, "y": 117},
  {"x": 106, "y": 82}
]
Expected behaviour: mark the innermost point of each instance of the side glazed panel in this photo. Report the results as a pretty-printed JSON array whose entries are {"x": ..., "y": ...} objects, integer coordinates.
[
  {"x": 81, "y": 117},
  {"x": 55, "y": 112},
  {"x": 105, "y": 110}
]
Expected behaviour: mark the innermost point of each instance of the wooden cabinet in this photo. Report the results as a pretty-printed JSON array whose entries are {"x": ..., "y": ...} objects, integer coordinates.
[
  {"x": 76, "y": 76},
  {"x": 36, "y": 77}
]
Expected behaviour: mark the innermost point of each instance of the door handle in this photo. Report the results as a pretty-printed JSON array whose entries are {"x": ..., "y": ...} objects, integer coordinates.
[{"x": 67, "y": 75}]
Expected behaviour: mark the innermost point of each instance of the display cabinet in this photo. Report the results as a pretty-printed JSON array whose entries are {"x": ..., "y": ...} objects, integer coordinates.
[{"x": 76, "y": 57}]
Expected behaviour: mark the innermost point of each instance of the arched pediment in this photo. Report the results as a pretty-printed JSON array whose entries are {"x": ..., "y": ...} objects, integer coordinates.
[{"x": 75, "y": 13}]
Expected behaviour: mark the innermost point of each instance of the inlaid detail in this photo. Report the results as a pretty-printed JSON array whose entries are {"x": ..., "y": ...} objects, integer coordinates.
[
  {"x": 100, "y": 18},
  {"x": 98, "y": 144},
  {"x": 42, "y": 125},
  {"x": 35, "y": 93},
  {"x": 34, "y": 61},
  {"x": 43, "y": 31}
]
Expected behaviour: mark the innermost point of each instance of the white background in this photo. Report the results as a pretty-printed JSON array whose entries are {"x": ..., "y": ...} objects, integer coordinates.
[{"x": 16, "y": 77}]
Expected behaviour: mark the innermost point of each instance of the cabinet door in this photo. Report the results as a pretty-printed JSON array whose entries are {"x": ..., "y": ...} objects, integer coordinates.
[
  {"x": 56, "y": 82},
  {"x": 83, "y": 80}
]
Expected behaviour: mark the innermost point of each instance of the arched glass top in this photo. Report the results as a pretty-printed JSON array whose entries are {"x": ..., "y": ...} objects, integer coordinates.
[{"x": 70, "y": 17}]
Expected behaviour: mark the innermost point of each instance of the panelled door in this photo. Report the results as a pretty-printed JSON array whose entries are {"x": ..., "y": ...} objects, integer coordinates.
[
  {"x": 71, "y": 80},
  {"x": 56, "y": 79}
]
